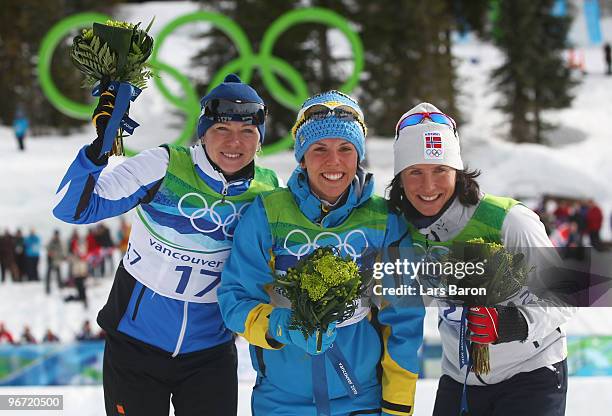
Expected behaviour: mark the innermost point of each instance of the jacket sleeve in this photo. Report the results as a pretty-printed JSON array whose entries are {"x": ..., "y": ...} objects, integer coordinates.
[
  {"x": 401, "y": 320},
  {"x": 242, "y": 296},
  {"x": 89, "y": 193},
  {"x": 523, "y": 230}
]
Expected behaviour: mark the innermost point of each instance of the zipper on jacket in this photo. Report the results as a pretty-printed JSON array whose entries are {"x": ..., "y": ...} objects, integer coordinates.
[
  {"x": 138, "y": 303},
  {"x": 260, "y": 360},
  {"x": 181, "y": 337},
  {"x": 224, "y": 191}
]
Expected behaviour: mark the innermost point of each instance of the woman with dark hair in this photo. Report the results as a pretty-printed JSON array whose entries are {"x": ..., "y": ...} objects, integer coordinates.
[
  {"x": 329, "y": 201},
  {"x": 442, "y": 203}
]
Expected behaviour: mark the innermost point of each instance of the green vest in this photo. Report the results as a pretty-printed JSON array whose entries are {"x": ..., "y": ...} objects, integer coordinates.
[
  {"x": 294, "y": 236},
  {"x": 184, "y": 236},
  {"x": 486, "y": 223}
]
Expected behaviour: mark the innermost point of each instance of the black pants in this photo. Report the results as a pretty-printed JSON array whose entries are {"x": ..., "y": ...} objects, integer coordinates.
[
  {"x": 52, "y": 268},
  {"x": 140, "y": 381},
  {"x": 79, "y": 283},
  {"x": 32, "y": 268},
  {"x": 3, "y": 269},
  {"x": 595, "y": 240},
  {"x": 20, "y": 143},
  {"x": 541, "y": 392}
]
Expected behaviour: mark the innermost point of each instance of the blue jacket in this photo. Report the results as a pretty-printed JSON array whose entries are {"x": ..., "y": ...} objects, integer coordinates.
[
  {"x": 20, "y": 125},
  {"x": 244, "y": 299},
  {"x": 32, "y": 245},
  {"x": 88, "y": 194}
]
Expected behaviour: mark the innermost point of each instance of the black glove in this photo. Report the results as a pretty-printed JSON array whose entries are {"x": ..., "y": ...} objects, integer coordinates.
[{"x": 100, "y": 118}]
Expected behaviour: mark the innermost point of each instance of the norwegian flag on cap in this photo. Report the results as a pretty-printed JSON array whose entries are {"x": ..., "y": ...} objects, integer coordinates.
[{"x": 433, "y": 145}]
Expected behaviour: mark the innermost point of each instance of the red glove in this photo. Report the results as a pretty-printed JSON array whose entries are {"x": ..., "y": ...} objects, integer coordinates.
[{"x": 483, "y": 324}]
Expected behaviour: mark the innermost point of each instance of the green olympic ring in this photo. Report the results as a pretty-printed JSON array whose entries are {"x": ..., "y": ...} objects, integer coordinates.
[
  {"x": 244, "y": 64},
  {"x": 45, "y": 54}
]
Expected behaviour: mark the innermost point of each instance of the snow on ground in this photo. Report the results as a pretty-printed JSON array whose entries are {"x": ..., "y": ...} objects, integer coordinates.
[
  {"x": 577, "y": 164},
  {"x": 586, "y": 396}
]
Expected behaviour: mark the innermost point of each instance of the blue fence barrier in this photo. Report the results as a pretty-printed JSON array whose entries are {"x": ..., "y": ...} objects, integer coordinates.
[{"x": 80, "y": 363}]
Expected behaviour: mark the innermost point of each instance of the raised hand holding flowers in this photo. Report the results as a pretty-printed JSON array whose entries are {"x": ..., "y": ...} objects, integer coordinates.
[{"x": 113, "y": 56}]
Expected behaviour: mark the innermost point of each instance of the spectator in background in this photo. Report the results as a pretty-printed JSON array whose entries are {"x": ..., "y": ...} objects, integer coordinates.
[
  {"x": 55, "y": 256},
  {"x": 19, "y": 253},
  {"x": 594, "y": 219},
  {"x": 574, "y": 247},
  {"x": 5, "y": 335},
  {"x": 50, "y": 337},
  {"x": 73, "y": 245},
  {"x": 7, "y": 256},
  {"x": 608, "y": 58},
  {"x": 86, "y": 333},
  {"x": 93, "y": 251},
  {"x": 583, "y": 210},
  {"x": 27, "y": 337},
  {"x": 578, "y": 215},
  {"x": 79, "y": 269},
  {"x": 562, "y": 213},
  {"x": 20, "y": 126},
  {"x": 540, "y": 210},
  {"x": 106, "y": 244},
  {"x": 80, "y": 275},
  {"x": 123, "y": 235},
  {"x": 32, "y": 255}
]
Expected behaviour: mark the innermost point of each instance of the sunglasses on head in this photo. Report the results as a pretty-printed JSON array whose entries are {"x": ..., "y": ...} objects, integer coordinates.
[
  {"x": 416, "y": 118},
  {"x": 322, "y": 111},
  {"x": 221, "y": 110}
]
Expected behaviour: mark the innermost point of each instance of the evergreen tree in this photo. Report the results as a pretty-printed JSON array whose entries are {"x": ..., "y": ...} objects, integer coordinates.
[
  {"x": 409, "y": 55},
  {"x": 23, "y": 24},
  {"x": 407, "y": 46},
  {"x": 533, "y": 77},
  {"x": 306, "y": 47}
]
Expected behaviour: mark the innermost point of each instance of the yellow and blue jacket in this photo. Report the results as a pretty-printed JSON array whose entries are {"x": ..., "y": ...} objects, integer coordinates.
[{"x": 281, "y": 227}]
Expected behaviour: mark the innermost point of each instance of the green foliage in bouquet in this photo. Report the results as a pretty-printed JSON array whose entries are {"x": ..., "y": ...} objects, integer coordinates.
[
  {"x": 115, "y": 51},
  {"x": 505, "y": 273},
  {"x": 322, "y": 288}
]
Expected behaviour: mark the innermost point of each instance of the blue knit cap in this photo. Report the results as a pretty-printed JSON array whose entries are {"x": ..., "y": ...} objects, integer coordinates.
[
  {"x": 308, "y": 132},
  {"x": 231, "y": 88}
]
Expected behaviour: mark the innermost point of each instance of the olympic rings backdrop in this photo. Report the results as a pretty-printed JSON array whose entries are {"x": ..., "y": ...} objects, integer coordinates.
[{"x": 247, "y": 61}]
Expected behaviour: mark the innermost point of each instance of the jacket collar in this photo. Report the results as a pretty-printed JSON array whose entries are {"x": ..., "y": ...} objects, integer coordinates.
[{"x": 450, "y": 223}]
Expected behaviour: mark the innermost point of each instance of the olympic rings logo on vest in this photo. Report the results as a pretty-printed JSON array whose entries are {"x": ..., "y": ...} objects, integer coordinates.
[
  {"x": 310, "y": 246},
  {"x": 226, "y": 225},
  {"x": 244, "y": 65}
]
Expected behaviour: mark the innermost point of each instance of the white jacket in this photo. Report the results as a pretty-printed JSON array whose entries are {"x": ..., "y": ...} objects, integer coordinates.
[{"x": 546, "y": 340}]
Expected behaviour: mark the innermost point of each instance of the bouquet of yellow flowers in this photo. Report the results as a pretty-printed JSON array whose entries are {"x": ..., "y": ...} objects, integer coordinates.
[
  {"x": 322, "y": 288},
  {"x": 503, "y": 275}
]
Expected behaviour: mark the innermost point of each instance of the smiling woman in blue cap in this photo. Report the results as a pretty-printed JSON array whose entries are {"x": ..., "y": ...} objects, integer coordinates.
[
  {"x": 165, "y": 338},
  {"x": 329, "y": 201}
]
